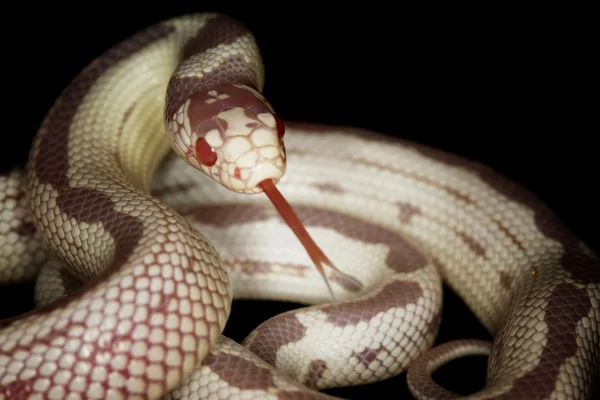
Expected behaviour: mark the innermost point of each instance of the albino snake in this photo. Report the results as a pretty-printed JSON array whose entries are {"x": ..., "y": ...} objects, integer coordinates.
[{"x": 395, "y": 217}]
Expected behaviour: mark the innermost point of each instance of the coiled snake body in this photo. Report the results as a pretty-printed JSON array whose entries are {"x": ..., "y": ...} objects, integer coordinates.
[{"x": 134, "y": 291}]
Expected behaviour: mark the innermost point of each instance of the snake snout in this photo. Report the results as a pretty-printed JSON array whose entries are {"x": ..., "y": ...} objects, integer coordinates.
[{"x": 230, "y": 133}]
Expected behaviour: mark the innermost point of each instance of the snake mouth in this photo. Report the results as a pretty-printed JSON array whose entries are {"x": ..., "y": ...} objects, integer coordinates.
[
  {"x": 318, "y": 257},
  {"x": 265, "y": 170}
]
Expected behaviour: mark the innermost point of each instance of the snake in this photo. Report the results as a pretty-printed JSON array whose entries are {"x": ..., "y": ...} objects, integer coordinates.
[{"x": 141, "y": 215}]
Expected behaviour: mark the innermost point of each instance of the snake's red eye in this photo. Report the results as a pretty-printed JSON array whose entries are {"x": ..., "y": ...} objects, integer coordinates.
[
  {"x": 205, "y": 153},
  {"x": 280, "y": 127}
]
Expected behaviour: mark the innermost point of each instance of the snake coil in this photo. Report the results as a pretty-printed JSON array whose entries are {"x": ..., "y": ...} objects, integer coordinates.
[{"x": 138, "y": 255}]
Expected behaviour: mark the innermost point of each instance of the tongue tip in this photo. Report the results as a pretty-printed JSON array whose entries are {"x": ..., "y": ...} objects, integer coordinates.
[{"x": 286, "y": 211}]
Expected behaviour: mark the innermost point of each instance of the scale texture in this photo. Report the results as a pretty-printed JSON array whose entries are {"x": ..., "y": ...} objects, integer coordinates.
[{"x": 138, "y": 251}]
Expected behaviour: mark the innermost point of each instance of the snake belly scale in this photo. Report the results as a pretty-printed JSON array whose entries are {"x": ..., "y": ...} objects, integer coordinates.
[{"x": 138, "y": 250}]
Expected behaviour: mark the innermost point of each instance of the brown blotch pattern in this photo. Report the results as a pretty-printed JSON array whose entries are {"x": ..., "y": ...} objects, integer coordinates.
[
  {"x": 567, "y": 304},
  {"x": 329, "y": 187},
  {"x": 51, "y": 165},
  {"x": 23, "y": 252},
  {"x": 233, "y": 70},
  {"x": 316, "y": 369},
  {"x": 395, "y": 294},
  {"x": 582, "y": 267},
  {"x": 403, "y": 257},
  {"x": 407, "y": 211},
  {"x": 266, "y": 340},
  {"x": 367, "y": 356},
  {"x": 52, "y": 162},
  {"x": 586, "y": 271},
  {"x": 218, "y": 30},
  {"x": 125, "y": 229},
  {"x": 203, "y": 110},
  {"x": 473, "y": 244},
  {"x": 239, "y": 372},
  {"x": 509, "y": 234},
  {"x": 240, "y": 369},
  {"x": 462, "y": 197}
]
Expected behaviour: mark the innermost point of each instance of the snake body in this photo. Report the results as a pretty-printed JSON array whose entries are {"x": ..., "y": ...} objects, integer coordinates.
[{"x": 139, "y": 254}]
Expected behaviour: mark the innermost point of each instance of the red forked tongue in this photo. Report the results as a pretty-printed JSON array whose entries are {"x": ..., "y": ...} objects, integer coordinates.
[{"x": 287, "y": 213}]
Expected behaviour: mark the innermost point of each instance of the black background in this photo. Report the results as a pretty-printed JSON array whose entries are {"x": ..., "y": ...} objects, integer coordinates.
[{"x": 509, "y": 87}]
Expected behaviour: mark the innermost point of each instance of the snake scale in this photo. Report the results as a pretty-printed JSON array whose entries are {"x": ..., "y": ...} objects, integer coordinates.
[{"x": 138, "y": 255}]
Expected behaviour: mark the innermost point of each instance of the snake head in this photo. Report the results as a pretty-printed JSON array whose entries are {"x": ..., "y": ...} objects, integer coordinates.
[{"x": 230, "y": 133}]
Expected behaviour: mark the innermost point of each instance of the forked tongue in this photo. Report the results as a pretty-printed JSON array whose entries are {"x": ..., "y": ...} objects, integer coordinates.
[{"x": 289, "y": 216}]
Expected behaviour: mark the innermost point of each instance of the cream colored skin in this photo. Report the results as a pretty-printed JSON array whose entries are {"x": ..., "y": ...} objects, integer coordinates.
[{"x": 384, "y": 176}]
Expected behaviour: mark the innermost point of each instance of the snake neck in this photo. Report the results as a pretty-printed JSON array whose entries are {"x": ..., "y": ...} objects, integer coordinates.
[{"x": 141, "y": 141}]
